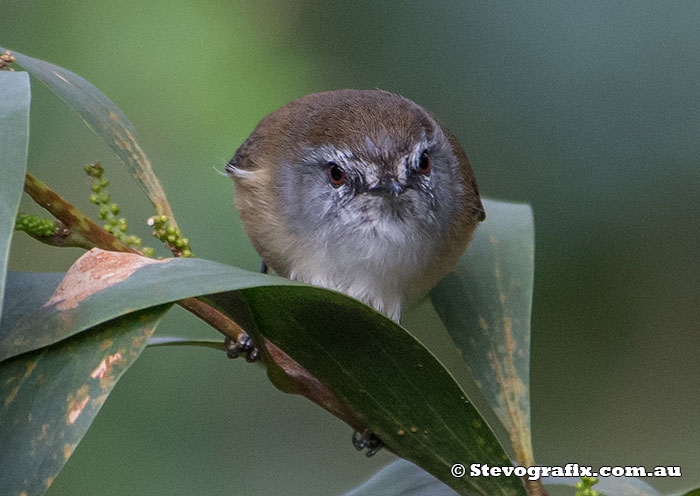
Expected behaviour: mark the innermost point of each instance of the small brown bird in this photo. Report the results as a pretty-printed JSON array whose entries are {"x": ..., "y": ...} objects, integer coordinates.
[{"x": 363, "y": 192}]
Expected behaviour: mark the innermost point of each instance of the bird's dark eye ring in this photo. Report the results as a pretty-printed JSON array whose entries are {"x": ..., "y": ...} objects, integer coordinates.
[
  {"x": 336, "y": 175},
  {"x": 424, "y": 163}
]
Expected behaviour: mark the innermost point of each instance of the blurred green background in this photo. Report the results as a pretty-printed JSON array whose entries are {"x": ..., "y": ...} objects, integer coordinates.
[{"x": 587, "y": 110}]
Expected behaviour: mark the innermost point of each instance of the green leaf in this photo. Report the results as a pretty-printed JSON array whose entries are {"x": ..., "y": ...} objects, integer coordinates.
[
  {"x": 49, "y": 397},
  {"x": 372, "y": 372},
  {"x": 389, "y": 381},
  {"x": 14, "y": 136},
  {"x": 485, "y": 306},
  {"x": 104, "y": 118},
  {"x": 401, "y": 478},
  {"x": 40, "y": 314},
  {"x": 694, "y": 492},
  {"x": 607, "y": 486}
]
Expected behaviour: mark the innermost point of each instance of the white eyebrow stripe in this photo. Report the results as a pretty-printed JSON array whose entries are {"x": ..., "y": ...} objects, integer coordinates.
[{"x": 237, "y": 172}]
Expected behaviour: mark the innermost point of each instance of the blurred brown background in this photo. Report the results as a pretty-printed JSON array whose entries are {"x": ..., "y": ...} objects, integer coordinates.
[{"x": 587, "y": 110}]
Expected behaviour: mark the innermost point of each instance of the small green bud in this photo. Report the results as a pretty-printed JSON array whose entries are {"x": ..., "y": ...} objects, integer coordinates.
[
  {"x": 171, "y": 230},
  {"x": 104, "y": 183},
  {"x": 94, "y": 170},
  {"x": 114, "y": 208},
  {"x": 96, "y": 188},
  {"x": 35, "y": 225},
  {"x": 147, "y": 251},
  {"x": 103, "y": 197},
  {"x": 171, "y": 238},
  {"x": 187, "y": 253},
  {"x": 94, "y": 199}
]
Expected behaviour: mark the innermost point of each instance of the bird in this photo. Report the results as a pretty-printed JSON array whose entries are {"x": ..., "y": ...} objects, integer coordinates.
[{"x": 359, "y": 191}]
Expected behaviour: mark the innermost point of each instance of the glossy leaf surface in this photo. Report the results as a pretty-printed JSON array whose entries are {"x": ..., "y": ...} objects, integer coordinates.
[
  {"x": 485, "y": 305},
  {"x": 49, "y": 397},
  {"x": 14, "y": 136},
  {"x": 374, "y": 368}
]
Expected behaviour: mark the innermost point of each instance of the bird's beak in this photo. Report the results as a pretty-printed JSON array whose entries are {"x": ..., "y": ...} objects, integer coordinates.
[{"x": 388, "y": 186}]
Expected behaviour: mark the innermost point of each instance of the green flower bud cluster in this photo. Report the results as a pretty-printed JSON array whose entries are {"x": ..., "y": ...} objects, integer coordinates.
[
  {"x": 34, "y": 225},
  {"x": 169, "y": 234},
  {"x": 584, "y": 488},
  {"x": 109, "y": 212}
]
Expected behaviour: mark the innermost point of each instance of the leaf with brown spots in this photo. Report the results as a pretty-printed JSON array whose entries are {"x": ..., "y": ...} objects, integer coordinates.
[
  {"x": 49, "y": 397},
  {"x": 385, "y": 377},
  {"x": 41, "y": 309},
  {"x": 342, "y": 354},
  {"x": 486, "y": 304}
]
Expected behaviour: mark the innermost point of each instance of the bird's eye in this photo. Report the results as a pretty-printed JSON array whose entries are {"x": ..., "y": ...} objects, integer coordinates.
[
  {"x": 424, "y": 163},
  {"x": 336, "y": 175}
]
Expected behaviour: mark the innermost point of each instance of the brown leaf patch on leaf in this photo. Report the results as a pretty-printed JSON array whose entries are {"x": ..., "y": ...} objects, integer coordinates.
[
  {"x": 75, "y": 403},
  {"x": 93, "y": 272}
]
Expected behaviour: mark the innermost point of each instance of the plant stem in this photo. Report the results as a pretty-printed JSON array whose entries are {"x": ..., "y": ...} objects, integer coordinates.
[
  {"x": 534, "y": 488},
  {"x": 213, "y": 317},
  {"x": 78, "y": 230}
]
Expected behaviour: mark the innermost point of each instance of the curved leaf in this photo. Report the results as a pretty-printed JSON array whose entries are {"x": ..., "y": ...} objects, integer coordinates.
[
  {"x": 105, "y": 119},
  {"x": 14, "y": 137},
  {"x": 402, "y": 478},
  {"x": 485, "y": 306},
  {"x": 101, "y": 286},
  {"x": 49, "y": 397},
  {"x": 367, "y": 364},
  {"x": 390, "y": 382}
]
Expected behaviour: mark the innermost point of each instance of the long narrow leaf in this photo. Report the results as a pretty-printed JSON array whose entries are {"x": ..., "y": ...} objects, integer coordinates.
[
  {"x": 367, "y": 364},
  {"x": 402, "y": 478},
  {"x": 105, "y": 119},
  {"x": 393, "y": 384},
  {"x": 485, "y": 306},
  {"x": 49, "y": 397},
  {"x": 100, "y": 288},
  {"x": 14, "y": 137}
]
